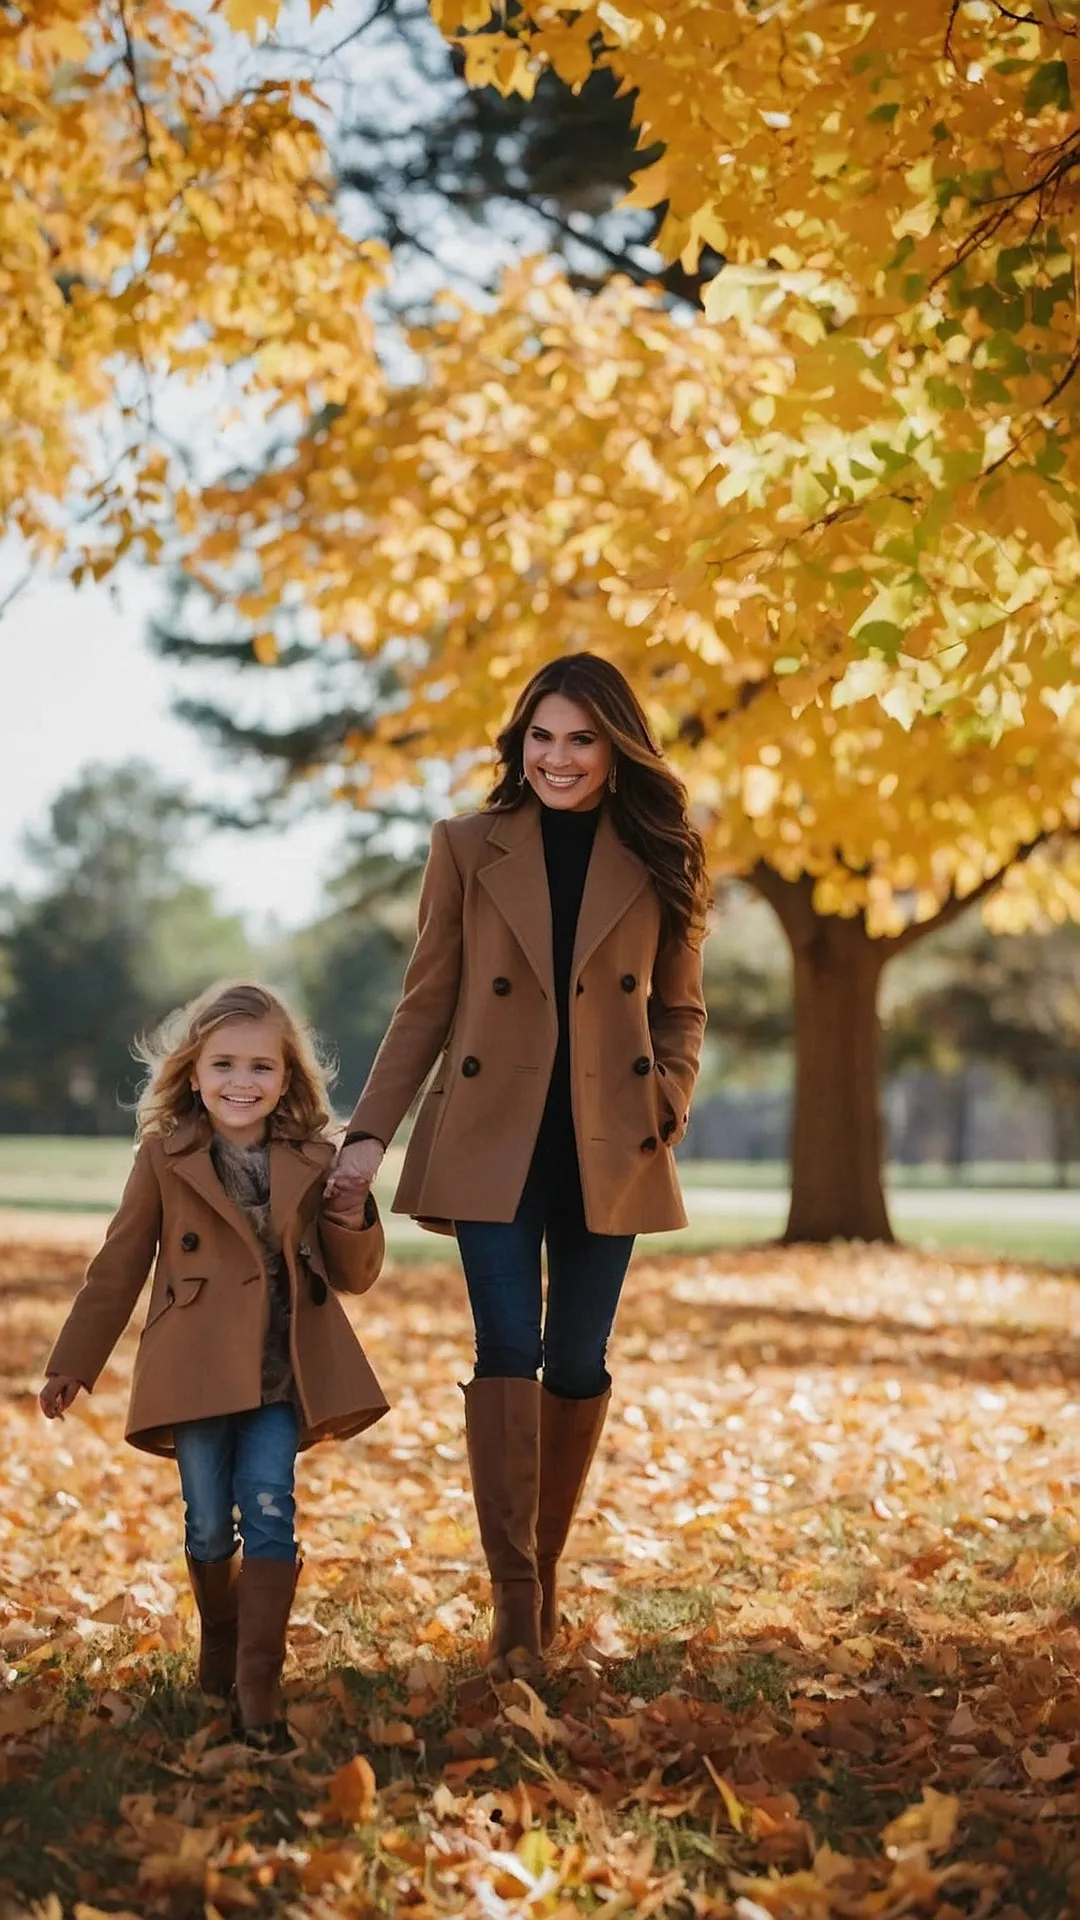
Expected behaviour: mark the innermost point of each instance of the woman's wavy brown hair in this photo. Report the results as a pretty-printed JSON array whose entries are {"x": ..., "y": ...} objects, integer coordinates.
[
  {"x": 649, "y": 805},
  {"x": 168, "y": 1100}
]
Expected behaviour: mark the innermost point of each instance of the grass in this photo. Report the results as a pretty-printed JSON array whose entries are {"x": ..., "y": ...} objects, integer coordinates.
[{"x": 43, "y": 1174}]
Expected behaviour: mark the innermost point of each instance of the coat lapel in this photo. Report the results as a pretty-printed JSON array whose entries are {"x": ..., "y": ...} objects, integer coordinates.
[
  {"x": 516, "y": 881},
  {"x": 615, "y": 878},
  {"x": 196, "y": 1169},
  {"x": 293, "y": 1169}
]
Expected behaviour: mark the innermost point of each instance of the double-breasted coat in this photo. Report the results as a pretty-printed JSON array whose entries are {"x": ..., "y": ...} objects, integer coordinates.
[
  {"x": 478, "y": 1007},
  {"x": 201, "y": 1348}
]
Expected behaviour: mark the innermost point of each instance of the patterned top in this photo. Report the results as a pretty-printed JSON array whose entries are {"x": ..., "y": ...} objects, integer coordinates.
[{"x": 244, "y": 1173}]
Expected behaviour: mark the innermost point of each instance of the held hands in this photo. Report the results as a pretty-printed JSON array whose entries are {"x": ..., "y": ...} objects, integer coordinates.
[
  {"x": 350, "y": 1180},
  {"x": 57, "y": 1395}
]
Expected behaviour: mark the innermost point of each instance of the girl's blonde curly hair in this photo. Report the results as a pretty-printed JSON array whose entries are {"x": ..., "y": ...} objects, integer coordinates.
[{"x": 168, "y": 1098}]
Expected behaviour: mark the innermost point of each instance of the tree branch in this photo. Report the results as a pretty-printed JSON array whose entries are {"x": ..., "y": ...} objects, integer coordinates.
[
  {"x": 954, "y": 906},
  {"x": 133, "y": 71}
]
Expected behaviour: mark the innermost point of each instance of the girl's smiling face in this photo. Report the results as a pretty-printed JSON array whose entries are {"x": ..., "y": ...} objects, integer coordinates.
[
  {"x": 240, "y": 1072},
  {"x": 565, "y": 755}
]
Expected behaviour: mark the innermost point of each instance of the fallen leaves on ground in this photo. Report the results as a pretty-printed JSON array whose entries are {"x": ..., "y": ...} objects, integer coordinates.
[{"x": 822, "y": 1643}]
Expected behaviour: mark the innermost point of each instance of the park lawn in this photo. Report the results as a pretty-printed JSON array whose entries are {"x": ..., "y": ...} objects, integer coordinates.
[
  {"x": 821, "y": 1654},
  {"x": 80, "y": 1176}
]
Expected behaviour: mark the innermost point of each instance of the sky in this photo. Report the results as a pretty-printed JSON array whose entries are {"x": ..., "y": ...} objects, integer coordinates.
[{"x": 78, "y": 683}]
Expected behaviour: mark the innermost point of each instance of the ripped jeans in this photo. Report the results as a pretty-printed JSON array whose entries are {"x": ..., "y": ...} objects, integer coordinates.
[{"x": 236, "y": 1474}]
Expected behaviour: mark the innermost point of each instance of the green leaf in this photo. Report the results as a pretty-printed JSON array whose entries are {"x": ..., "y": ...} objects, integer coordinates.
[
  {"x": 962, "y": 465},
  {"x": 1049, "y": 88},
  {"x": 886, "y": 113},
  {"x": 1007, "y": 354},
  {"x": 944, "y": 394},
  {"x": 891, "y": 460},
  {"x": 1050, "y": 459},
  {"x": 884, "y": 635},
  {"x": 988, "y": 390}
]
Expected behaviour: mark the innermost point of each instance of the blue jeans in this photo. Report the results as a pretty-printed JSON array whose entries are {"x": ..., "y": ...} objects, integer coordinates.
[
  {"x": 585, "y": 1276},
  {"x": 239, "y": 1463}
]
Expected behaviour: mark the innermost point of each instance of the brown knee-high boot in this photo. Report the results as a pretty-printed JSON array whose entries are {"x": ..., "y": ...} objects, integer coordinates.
[
  {"x": 266, "y": 1596},
  {"x": 216, "y": 1586},
  {"x": 569, "y": 1433},
  {"x": 502, "y": 1427}
]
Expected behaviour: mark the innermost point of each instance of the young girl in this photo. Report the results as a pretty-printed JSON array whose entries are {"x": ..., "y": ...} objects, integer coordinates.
[{"x": 246, "y": 1356}]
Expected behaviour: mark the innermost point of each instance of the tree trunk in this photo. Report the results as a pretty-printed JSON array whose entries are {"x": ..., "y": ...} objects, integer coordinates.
[
  {"x": 1062, "y": 1098},
  {"x": 959, "y": 1121},
  {"x": 836, "y": 1140},
  {"x": 836, "y": 1184}
]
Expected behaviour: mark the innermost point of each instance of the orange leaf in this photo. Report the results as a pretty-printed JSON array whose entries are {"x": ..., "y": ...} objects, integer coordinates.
[{"x": 352, "y": 1791}]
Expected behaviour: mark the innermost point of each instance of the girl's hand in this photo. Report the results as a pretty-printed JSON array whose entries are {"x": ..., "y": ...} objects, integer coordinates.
[
  {"x": 57, "y": 1395},
  {"x": 351, "y": 1177}
]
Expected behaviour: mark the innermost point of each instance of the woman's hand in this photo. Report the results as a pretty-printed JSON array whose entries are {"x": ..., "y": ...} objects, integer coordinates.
[
  {"x": 57, "y": 1395},
  {"x": 351, "y": 1176}
]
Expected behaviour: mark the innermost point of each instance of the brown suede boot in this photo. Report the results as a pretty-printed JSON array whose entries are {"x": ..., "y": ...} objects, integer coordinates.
[
  {"x": 216, "y": 1586},
  {"x": 502, "y": 1426},
  {"x": 266, "y": 1596},
  {"x": 569, "y": 1433}
]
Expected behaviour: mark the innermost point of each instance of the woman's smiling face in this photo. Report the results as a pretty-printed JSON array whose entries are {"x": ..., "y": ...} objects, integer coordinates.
[{"x": 565, "y": 755}]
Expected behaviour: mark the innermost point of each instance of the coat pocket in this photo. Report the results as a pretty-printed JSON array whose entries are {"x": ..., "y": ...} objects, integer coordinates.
[
  {"x": 314, "y": 1263},
  {"x": 175, "y": 1293}
]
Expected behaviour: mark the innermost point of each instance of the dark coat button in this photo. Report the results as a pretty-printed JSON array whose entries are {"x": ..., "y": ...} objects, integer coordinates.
[
  {"x": 667, "y": 1129},
  {"x": 189, "y": 1242},
  {"x": 470, "y": 1066},
  {"x": 650, "y": 1145},
  {"x": 643, "y": 1066},
  {"x": 500, "y": 985},
  {"x": 318, "y": 1289},
  {"x": 628, "y": 983}
]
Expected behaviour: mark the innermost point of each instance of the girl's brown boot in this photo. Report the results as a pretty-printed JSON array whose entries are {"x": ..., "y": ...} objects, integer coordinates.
[
  {"x": 216, "y": 1586},
  {"x": 266, "y": 1596}
]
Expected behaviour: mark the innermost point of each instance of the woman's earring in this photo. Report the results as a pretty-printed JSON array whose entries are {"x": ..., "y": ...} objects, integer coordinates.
[
  {"x": 612, "y": 780},
  {"x": 521, "y": 777}
]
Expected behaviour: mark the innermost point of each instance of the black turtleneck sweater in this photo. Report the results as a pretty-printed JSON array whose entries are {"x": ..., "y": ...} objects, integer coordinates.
[{"x": 568, "y": 844}]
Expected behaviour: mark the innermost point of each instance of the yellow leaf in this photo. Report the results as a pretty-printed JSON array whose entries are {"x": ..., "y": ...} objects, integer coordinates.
[
  {"x": 737, "y": 1813},
  {"x": 247, "y": 16},
  {"x": 928, "y": 1827}
]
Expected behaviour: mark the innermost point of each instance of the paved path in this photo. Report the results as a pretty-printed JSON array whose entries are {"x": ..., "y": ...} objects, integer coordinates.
[{"x": 1038, "y": 1208}]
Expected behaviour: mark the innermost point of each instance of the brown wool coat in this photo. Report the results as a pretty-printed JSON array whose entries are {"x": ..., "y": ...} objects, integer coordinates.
[
  {"x": 478, "y": 1005},
  {"x": 201, "y": 1348}
]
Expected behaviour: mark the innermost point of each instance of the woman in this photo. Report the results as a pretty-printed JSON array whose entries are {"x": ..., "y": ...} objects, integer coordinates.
[{"x": 555, "y": 987}]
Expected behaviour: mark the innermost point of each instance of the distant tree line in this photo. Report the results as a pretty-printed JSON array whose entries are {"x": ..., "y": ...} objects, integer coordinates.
[{"x": 114, "y": 932}]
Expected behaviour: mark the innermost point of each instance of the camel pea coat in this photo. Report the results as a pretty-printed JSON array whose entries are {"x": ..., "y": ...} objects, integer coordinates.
[
  {"x": 478, "y": 1007},
  {"x": 201, "y": 1348}
]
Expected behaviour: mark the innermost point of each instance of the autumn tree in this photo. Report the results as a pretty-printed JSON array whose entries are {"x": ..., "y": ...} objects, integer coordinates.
[
  {"x": 828, "y": 525},
  {"x": 154, "y": 220}
]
